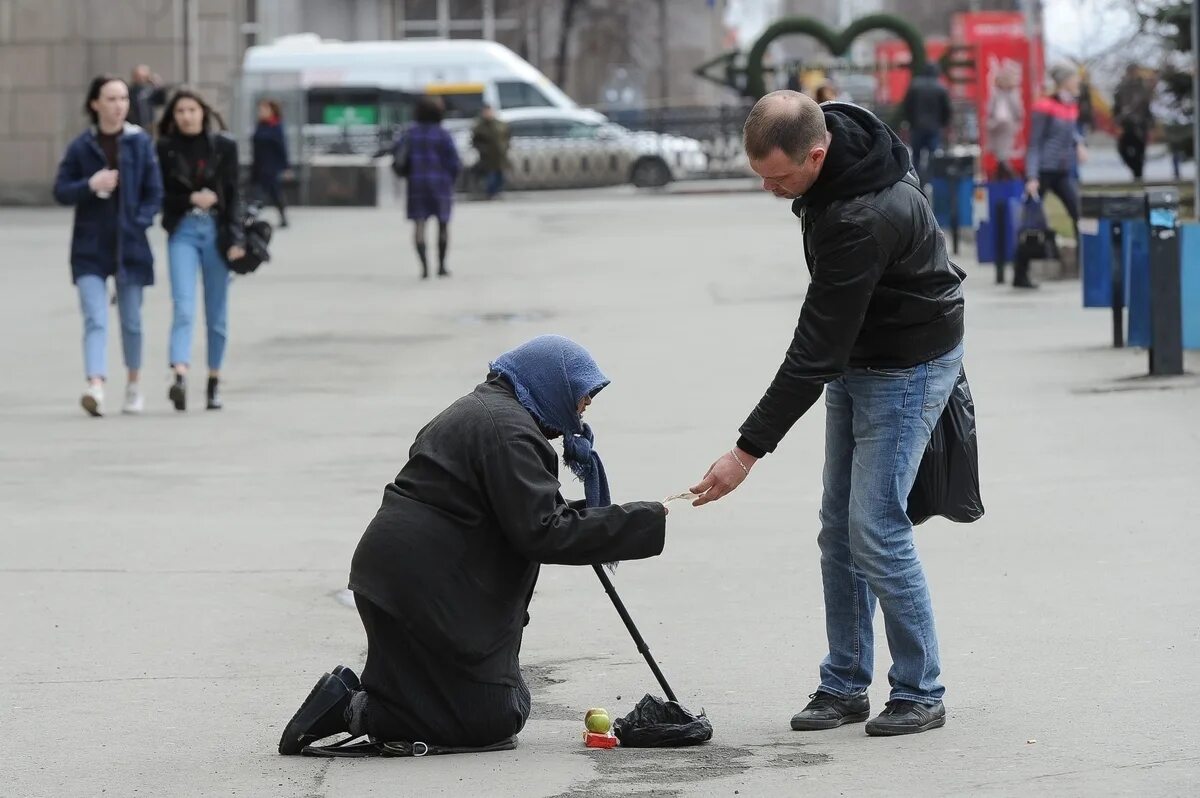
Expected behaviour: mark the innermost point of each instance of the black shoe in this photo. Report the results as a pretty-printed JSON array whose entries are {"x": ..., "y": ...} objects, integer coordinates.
[
  {"x": 443, "y": 273},
  {"x": 283, "y": 223},
  {"x": 178, "y": 393},
  {"x": 214, "y": 394},
  {"x": 828, "y": 711},
  {"x": 321, "y": 715},
  {"x": 907, "y": 717},
  {"x": 348, "y": 677},
  {"x": 1026, "y": 283}
]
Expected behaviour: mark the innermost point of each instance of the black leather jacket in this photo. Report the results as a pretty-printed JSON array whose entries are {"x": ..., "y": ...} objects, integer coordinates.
[
  {"x": 883, "y": 294},
  {"x": 220, "y": 174}
]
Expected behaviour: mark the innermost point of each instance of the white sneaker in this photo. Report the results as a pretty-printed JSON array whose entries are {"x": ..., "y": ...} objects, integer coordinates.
[
  {"x": 134, "y": 402},
  {"x": 93, "y": 399}
]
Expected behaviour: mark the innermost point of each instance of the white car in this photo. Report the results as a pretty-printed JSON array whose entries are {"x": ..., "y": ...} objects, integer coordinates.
[{"x": 576, "y": 148}]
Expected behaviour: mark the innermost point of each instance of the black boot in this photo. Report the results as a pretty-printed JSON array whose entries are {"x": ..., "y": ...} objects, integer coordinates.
[
  {"x": 424, "y": 261},
  {"x": 907, "y": 717},
  {"x": 214, "y": 394},
  {"x": 1021, "y": 273},
  {"x": 827, "y": 711},
  {"x": 178, "y": 392},
  {"x": 443, "y": 245},
  {"x": 999, "y": 274},
  {"x": 321, "y": 715}
]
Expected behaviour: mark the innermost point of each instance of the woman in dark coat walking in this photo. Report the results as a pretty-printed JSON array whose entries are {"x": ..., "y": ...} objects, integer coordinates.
[
  {"x": 433, "y": 166},
  {"x": 444, "y": 574},
  {"x": 202, "y": 214},
  {"x": 109, "y": 173},
  {"x": 270, "y": 156}
]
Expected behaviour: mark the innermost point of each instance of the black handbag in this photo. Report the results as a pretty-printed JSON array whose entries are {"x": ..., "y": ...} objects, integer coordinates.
[{"x": 257, "y": 234}]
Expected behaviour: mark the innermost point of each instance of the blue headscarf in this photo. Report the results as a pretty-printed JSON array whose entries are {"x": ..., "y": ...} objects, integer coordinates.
[{"x": 550, "y": 374}]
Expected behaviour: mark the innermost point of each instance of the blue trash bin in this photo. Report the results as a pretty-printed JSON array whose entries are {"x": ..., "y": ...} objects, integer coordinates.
[
  {"x": 1189, "y": 250},
  {"x": 1135, "y": 246},
  {"x": 941, "y": 202},
  {"x": 1096, "y": 265}
]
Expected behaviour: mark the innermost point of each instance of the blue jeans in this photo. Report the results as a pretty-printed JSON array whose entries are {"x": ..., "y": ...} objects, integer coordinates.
[
  {"x": 192, "y": 250},
  {"x": 93, "y": 301},
  {"x": 878, "y": 423},
  {"x": 493, "y": 182}
]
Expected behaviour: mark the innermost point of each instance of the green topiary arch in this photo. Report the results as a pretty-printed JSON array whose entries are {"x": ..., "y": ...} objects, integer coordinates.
[{"x": 838, "y": 42}]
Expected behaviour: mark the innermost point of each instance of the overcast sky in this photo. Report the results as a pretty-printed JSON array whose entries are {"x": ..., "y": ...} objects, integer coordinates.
[{"x": 1074, "y": 27}]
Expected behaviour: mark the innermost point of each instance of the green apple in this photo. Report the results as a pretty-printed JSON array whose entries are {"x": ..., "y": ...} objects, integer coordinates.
[{"x": 597, "y": 721}]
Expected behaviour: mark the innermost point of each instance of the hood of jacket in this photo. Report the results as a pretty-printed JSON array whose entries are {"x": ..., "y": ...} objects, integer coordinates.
[{"x": 864, "y": 156}]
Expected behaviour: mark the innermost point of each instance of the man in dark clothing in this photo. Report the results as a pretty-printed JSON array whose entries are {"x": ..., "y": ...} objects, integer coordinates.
[
  {"x": 146, "y": 94},
  {"x": 927, "y": 112},
  {"x": 444, "y": 574},
  {"x": 881, "y": 333},
  {"x": 490, "y": 138},
  {"x": 1131, "y": 110}
]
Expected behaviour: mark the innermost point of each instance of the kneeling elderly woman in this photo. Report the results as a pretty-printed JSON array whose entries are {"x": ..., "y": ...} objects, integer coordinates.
[{"x": 444, "y": 573}]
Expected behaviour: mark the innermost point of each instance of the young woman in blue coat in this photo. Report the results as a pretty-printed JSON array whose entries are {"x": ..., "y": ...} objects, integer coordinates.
[
  {"x": 270, "y": 156},
  {"x": 111, "y": 176}
]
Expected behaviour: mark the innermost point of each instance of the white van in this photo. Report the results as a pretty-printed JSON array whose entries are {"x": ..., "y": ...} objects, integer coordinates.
[{"x": 352, "y": 93}]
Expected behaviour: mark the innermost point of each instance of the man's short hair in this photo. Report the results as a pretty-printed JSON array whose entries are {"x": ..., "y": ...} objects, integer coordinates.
[{"x": 784, "y": 120}]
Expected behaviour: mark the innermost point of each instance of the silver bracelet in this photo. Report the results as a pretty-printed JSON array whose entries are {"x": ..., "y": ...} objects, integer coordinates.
[{"x": 739, "y": 461}]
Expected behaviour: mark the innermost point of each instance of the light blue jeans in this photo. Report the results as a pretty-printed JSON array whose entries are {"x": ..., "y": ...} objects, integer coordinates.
[
  {"x": 878, "y": 424},
  {"x": 192, "y": 250},
  {"x": 93, "y": 302}
]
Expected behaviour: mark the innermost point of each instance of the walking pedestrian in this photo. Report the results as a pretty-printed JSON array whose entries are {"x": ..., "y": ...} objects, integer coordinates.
[
  {"x": 1056, "y": 147},
  {"x": 202, "y": 214},
  {"x": 882, "y": 323},
  {"x": 270, "y": 156},
  {"x": 1132, "y": 112},
  {"x": 1005, "y": 120},
  {"x": 146, "y": 95},
  {"x": 444, "y": 574},
  {"x": 927, "y": 111},
  {"x": 433, "y": 166},
  {"x": 109, "y": 173},
  {"x": 490, "y": 138}
]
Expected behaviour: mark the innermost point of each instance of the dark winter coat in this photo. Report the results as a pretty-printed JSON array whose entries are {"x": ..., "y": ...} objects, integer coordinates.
[
  {"x": 455, "y": 549},
  {"x": 220, "y": 174},
  {"x": 490, "y": 137},
  {"x": 927, "y": 103},
  {"x": 270, "y": 153},
  {"x": 883, "y": 294},
  {"x": 109, "y": 236}
]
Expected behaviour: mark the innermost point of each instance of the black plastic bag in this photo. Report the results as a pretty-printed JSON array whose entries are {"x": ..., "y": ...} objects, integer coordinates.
[
  {"x": 655, "y": 723},
  {"x": 947, "y": 481}
]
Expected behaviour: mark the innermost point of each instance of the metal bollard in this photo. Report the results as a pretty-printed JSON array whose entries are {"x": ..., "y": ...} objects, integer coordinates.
[{"x": 1166, "y": 311}]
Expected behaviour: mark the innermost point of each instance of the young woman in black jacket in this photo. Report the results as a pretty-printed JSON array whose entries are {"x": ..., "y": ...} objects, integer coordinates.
[{"x": 202, "y": 213}]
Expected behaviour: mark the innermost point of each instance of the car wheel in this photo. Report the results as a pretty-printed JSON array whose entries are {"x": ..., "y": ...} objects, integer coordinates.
[{"x": 650, "y": 173}]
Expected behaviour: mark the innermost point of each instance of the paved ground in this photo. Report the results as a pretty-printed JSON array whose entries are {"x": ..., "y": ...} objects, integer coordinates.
[{"x": 169, "y": 582}]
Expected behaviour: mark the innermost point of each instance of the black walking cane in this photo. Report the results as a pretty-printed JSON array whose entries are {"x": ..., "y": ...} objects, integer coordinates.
[{"x": 633, "y": 632}]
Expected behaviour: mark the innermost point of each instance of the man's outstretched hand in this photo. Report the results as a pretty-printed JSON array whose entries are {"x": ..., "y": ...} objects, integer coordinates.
[{"x": 729, "y": 471}]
